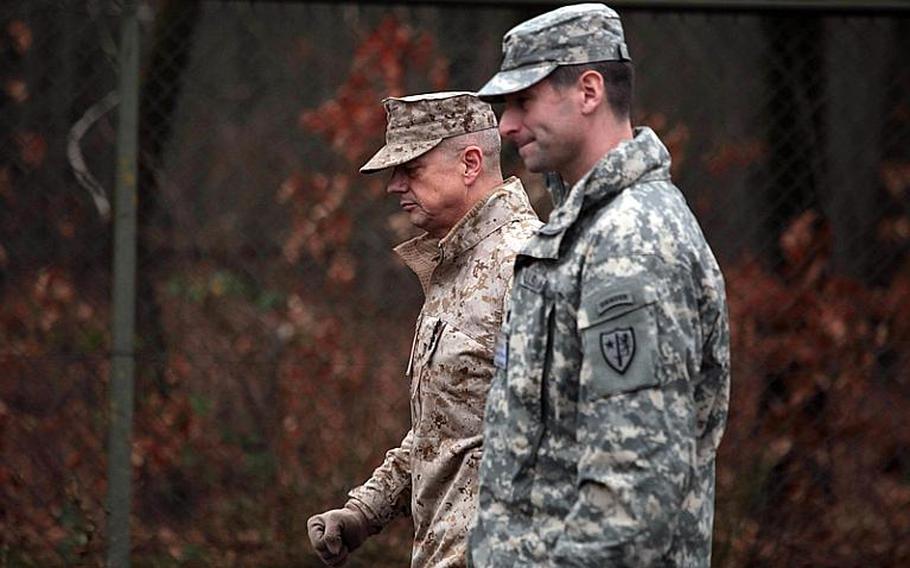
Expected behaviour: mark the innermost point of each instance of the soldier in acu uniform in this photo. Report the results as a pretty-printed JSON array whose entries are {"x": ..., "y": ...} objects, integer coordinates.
[
  {"x": 443, "y": 150},
  {"x": 604, "y": 418}
]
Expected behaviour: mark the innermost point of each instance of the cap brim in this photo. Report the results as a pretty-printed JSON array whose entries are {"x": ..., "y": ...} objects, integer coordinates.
[
  {"x": 392, "y": 155},
  {"x": 514, "y": 80}
]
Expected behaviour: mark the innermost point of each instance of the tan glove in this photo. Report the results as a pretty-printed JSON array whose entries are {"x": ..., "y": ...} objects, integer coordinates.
[{"x": 336, "y": 533}]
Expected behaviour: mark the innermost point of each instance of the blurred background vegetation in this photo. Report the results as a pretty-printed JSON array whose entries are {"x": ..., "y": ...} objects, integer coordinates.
[{"x": 274, "y": 323}]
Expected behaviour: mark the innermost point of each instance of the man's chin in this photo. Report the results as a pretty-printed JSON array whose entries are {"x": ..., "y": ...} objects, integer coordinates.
[
  {"x": 532, "y": 161},
  {"x": 418, "y": 219},
  {"x": 535, "y": 166}
]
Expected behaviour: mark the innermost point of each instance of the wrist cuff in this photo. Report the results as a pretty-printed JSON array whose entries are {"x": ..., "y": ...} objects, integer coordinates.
[{"x": 361, "y": 509}]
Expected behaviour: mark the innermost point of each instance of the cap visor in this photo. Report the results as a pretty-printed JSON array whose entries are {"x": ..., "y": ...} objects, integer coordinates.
[
  {"x": 514, "y": 80},
  {"x": 392, "y": 155}
]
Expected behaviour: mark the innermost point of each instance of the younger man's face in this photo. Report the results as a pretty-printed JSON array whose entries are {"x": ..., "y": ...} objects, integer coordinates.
[{"x": 543, "y": 121}]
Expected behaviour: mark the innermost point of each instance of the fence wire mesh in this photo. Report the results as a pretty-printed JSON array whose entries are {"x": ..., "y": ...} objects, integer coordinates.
[{"x": 274, "y": 323}]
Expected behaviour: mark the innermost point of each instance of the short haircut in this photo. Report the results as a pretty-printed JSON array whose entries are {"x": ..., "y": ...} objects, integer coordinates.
[
  {"x": 487, "y": 140},
  {"x": 619, "y": 80}
]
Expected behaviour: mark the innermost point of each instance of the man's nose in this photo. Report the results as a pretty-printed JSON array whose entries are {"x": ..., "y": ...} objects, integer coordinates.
[
  {"x": 508, "y": 123},
  {"x": 396, "y": 182}
]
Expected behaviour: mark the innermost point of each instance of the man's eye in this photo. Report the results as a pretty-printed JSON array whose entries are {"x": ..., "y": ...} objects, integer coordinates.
[{"x": 518, "y": 102}]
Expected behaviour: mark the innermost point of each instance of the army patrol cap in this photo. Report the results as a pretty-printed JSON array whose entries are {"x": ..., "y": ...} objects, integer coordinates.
[
  {"x": 418, "y": 123},
  {"x": 581, "y": 33}
]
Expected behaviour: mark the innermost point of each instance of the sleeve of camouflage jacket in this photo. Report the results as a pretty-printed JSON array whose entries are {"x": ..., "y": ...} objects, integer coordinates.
[
  {"x": 386, "y": 495},
  {"x": 636, "y": 414}
]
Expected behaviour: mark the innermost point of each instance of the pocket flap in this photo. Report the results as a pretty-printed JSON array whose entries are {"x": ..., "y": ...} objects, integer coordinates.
[{"x": 429, "y": 328}]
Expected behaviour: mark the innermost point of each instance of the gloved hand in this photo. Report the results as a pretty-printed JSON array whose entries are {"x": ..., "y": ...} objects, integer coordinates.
[{"x": 336, "y": 533}]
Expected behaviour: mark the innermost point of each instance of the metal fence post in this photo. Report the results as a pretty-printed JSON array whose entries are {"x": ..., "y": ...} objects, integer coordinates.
[{"x": 124, "y": 296}]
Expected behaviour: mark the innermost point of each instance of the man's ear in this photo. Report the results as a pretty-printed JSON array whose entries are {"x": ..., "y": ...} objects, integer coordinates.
[
  {"x": 472, "y": 164},
  {"x": 592, "y": 91}
]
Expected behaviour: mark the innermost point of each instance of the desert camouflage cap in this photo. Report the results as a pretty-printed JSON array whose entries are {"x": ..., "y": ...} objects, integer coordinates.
[
  {"x": 581, "y": 33},
  {"x": 418, "y": 123}
]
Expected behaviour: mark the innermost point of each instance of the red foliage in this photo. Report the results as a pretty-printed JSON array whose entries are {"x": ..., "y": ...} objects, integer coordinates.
[
  {"x": 20, "y": 35},
  {"x": 732, "y": 157},
  {"x": 352, "y": 122},
  {"x": 379, "y": 68},
  {"x": 808, "y": 468},
  {"x": 33, "y": 148},
  {"x": 275, "y": 398}
]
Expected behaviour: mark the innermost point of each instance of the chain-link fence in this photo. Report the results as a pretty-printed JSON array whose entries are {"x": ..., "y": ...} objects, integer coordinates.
[{"x": 273, "y": 323}]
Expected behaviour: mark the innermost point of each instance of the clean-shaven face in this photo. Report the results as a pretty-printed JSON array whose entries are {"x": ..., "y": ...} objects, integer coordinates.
[
  {"x": 544, "y": 123},
  {"x": 430, "y": 190}
]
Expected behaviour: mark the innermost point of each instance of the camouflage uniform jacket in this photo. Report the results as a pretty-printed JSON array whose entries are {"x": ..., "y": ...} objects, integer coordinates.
[
  {"x": 465, "y": 278},
  {"x": 602, "y": 425}
]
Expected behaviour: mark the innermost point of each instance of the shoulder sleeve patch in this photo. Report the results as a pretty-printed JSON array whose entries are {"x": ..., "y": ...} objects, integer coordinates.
[{"x": 618, "y": 328}]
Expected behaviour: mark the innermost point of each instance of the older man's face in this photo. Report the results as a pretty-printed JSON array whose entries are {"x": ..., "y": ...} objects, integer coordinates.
[{"x": 430, "y": 189}]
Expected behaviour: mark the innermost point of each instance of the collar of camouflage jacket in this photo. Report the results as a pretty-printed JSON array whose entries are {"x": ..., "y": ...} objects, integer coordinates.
[
  {"x": 504, "y": 204},
  {"x": 641, "y": 159}
]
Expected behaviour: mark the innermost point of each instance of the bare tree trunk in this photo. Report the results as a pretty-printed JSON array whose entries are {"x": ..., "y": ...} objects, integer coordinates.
[
  {"x": 857, "y": 92},
  {"x": 795, "y": 112},
  {"x": 169, "y": 54}
]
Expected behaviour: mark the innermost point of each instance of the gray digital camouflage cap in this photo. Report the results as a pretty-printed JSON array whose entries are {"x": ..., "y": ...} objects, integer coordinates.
[
  {"x": 581, "y": 33},
  {"x": 418, "y": 123}
]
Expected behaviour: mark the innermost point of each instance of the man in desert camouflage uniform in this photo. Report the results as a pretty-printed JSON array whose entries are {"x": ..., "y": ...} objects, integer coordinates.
[
  {"x": 603, "y": 422},
  {"x": 444, "y": 152}
]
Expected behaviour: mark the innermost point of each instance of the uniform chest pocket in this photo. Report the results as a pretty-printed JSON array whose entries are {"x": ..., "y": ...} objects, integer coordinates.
[
  {"x": 457, "y": 369},
  {"x": 451, "y": 376},
  {"x": 620, "y": 343},
  {"x": 426, "y": 339}
]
